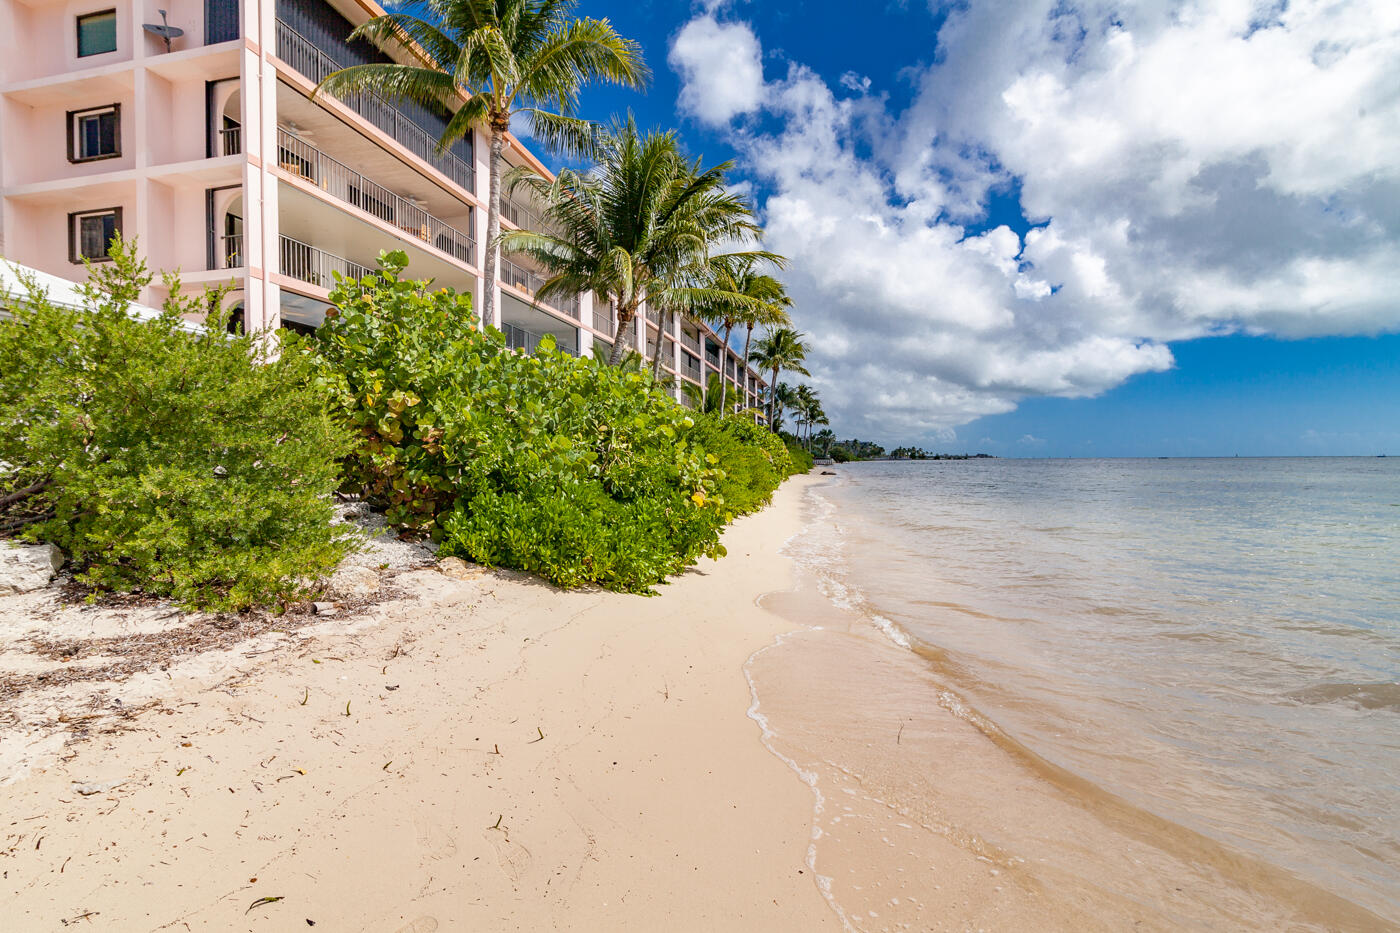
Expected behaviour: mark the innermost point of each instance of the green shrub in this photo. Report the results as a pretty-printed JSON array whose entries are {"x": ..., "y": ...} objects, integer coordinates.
[
  {"x": 165, "y": 458},
  {"x": 562, "y": 467},
  {"x": 754, "y": 461},
  {"x": 840, "y": 454},
  {"x": 801, "y": 457}
]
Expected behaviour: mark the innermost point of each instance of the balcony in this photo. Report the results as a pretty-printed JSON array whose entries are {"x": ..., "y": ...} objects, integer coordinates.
[
  {"x": 301, "y": 54},
  {"x": 345, "y": 184},
  {"x": 231, "y": 140},
  {"x": 531, "y": 282},
  {"x": 690, "y": 367},
  {"x": 230, "y": 251},
  {"x": 691, "y": 342},
  {"x": 603, "y": 317},
  {"x": 308, "y": 264},
  {"x": 518, "y": 338}
]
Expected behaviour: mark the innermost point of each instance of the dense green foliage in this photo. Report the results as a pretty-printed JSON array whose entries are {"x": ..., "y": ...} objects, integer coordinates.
[
  {"x": 563, "y": 467},
  {"x": 754, "y": 461},
  {"x": 841, "y": 454},
  {"x": 161, "y": 457},
  {"x": 801, "y": 456}
]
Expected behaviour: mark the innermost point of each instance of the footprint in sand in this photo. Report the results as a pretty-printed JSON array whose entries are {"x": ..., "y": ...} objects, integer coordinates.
[
  {"x": 436, "y": 842},
  {"x": 512, "y": 856},
  {"x": 421, "y": 925}
]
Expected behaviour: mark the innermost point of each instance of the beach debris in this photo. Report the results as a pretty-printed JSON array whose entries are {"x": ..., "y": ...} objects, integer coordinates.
[
  {"x": 347, "y": 707},
  {"x": 498, "y": 821},
  {"x": 85, "y": 915},
  {"x": 260, "y": 902},
  {"x": 306, "y": 696},
  {"x": 540, "y": 739},
  {"x": 900, "y": 734},
  {"x": 323, "y": 609},
  {"x": 26, "y": 567},
  {"x": 387, "y": 764},
  {"x": 98, "y": 787}
]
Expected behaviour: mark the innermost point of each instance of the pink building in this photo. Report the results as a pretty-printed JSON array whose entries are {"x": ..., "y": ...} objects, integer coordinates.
[{"x": 208, "y": 148}]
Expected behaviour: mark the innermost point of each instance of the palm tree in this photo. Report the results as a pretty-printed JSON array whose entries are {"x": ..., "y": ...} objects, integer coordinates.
[
  {"x": 766, "y": 304},
  {"x": 638, "y": 228},
  {"x": 503, "y": 57},
  {"x": 780, "y": 399},
  {"x": 781, "y": 348},
  {"x": 825, "y": 438}
]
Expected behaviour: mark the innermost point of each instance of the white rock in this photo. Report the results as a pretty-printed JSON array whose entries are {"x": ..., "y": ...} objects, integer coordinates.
[
  {"x": 87, "y": 790},
  {"x": 26, "y": 567},
  {"x": 458, "y": 569},
  {"x": 355, "y": 582}
]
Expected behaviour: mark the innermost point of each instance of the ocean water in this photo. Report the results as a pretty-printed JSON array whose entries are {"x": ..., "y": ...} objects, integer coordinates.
[{"x": 1212, "y": 644}]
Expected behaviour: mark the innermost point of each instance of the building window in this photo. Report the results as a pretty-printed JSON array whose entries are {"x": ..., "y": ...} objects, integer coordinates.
[
  {"x": 95, "y": 134},
  {"x": 97, "y": 33},
  {"x": 90, "y": 234}
]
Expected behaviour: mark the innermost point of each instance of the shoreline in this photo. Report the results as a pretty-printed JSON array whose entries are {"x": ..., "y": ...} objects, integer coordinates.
[
  {"x": 931, "y": 817},
  {"x": 488, "y": 753}
]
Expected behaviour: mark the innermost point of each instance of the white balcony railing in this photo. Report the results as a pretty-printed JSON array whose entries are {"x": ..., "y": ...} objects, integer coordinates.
[
  {"x": 345, "y": 184},
  {"x": 303, "y": 55},
  {"x": 308, "y": 264},
  {"x": 531, "y": 283},
  {"x": 518, "y": 338}
]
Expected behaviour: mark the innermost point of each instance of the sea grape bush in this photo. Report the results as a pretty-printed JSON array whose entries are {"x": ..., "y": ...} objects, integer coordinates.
[
  {"x": 753, "y": 460},
  {"x": 177, "y": 461},
  {"x": 563, "y": 467}
]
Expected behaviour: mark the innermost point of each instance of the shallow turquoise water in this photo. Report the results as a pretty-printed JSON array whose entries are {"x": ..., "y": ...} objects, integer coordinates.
[{"x": 1217, "y": 641}]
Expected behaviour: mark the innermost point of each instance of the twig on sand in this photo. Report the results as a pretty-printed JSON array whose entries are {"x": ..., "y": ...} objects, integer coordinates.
[
  {"x": 540, "y": 739},
  {"x": 260, "y": 902},
  {"x": 498, "y": 821},
  {"x": 900, "y": 734}
]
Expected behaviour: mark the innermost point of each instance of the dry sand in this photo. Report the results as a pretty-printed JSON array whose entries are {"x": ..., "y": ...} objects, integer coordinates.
[{"x": 477, "y": 754}]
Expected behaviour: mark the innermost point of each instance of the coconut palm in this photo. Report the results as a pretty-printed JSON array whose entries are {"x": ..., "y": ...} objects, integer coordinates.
[
  {"x": 638, "y": 228},
  {"x": 824, "y": 439},
  {"x": 502, "y": 57},
  {"x": 808, "y": 411},
  {"x": 780, "y": 399},
  {"x": 768, "y": 299},
  {"x": 780, "y": 349}
]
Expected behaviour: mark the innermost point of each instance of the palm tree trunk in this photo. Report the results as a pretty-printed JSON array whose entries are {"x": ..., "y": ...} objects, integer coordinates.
[
  {"x": 660, "y": 343},
  {"x": 744, "y": 363},
  {"x": 724, "y": 368},
  {"x": 499, "y": 129},
  {"x": 772, "y": 401},
  {"x": 624, "y": 324}
]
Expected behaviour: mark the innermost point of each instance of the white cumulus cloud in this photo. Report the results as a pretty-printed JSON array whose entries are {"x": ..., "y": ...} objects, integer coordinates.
[
  {"x": 721, "y": 65},
  {"x": 1191, "y": 168}
]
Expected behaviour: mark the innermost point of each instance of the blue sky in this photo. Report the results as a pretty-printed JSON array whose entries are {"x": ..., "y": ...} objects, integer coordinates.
[{"x": 1043, "y": 229}]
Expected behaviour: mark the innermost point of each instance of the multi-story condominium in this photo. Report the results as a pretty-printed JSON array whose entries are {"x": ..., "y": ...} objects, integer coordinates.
[{"x": 191, "y": 125}]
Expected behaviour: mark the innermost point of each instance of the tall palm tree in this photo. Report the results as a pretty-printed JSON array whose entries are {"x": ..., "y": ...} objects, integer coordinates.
[
  {"x": 780, "y": 399},
  {"x": 503, "y": 57},
  {"x": 780, "y": 349},
  {"x": 637, "y": 228},
  {"x": 766, "y": 304}
]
